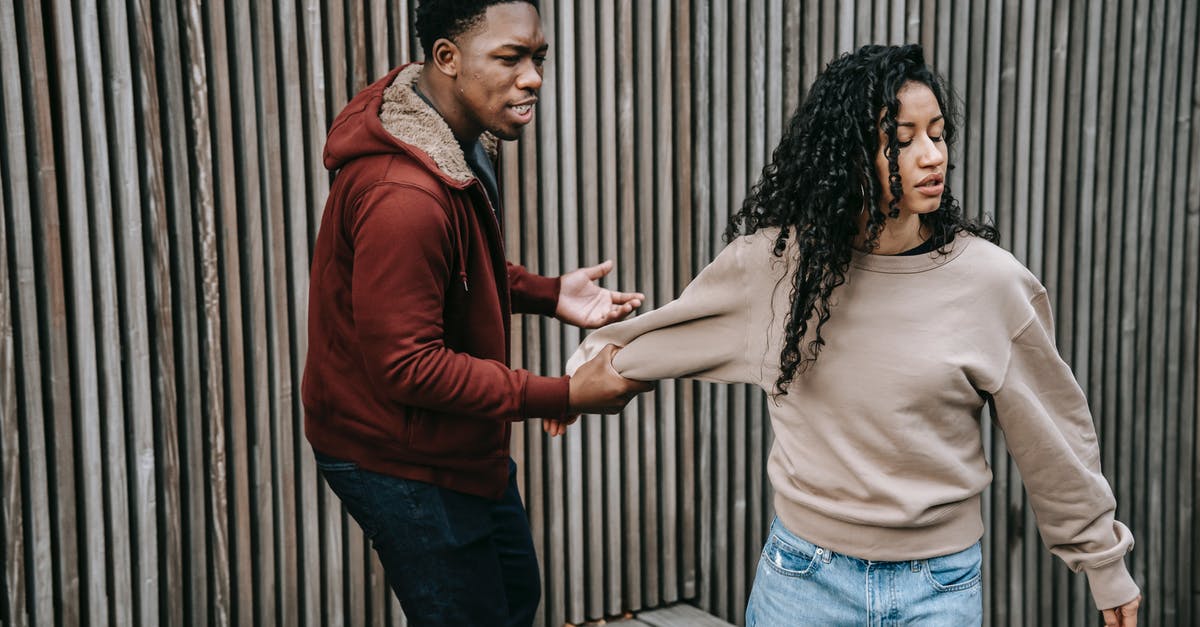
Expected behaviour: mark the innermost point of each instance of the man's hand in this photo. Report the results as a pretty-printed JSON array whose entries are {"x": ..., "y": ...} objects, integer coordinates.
[
  {"x": 555, "y": 427},
  {"x": 1123, "y": 615},
  {"x": 597, "y": 388},
  {"x": 585, "y": 304}
]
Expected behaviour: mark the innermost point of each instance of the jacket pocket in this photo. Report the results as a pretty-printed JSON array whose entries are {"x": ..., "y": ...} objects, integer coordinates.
[{"x": 431, "y": 433}]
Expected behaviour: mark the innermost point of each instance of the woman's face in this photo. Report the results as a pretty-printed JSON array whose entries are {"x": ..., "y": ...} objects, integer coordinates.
[{"x": 922, "y": 159}]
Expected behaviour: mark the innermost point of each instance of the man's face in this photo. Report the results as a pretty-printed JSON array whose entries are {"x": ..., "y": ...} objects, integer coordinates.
[{"x": 500, "y": 70}]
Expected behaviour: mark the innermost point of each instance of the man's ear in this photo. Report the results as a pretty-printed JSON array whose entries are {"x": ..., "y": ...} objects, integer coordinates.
[{"x": 446, "y": 57}]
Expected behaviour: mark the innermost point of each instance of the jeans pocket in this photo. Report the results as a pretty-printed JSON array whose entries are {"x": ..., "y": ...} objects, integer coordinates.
[
  {"x": 326, "y": 463},
  {"x": 346, "y": 481},
  {"x": 957, "y": 571},
  {"x": 790, "y": 560}
]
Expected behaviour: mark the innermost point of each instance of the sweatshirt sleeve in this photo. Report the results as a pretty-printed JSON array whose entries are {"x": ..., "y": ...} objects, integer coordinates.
[
  {"x": 700, "y": 335},
  {"x": 398, "y": 292},
  {"x": 532, "y": 293},
  {"x": 1049, "y": 432}
]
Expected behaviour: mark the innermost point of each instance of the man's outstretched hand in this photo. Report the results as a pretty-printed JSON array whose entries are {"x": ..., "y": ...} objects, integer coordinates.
[{"x": 583, "y": 303}]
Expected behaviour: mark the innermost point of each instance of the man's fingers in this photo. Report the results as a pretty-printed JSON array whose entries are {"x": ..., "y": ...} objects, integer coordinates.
[
  {"x": 1110, "y": 618},
  {"x": 627, "y": 298},
  {"x": 598, "y": 271}
]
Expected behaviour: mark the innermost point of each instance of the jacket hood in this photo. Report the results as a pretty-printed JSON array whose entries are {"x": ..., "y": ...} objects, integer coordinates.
[{"x": 388, "y": 117}]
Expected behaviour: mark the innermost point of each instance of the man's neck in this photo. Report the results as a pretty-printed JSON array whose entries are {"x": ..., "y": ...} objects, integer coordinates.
[{"x": 435, "y": 92}]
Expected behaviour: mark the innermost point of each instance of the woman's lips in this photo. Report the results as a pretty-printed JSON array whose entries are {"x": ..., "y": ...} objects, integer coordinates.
[{"x": 931, "y": 189}]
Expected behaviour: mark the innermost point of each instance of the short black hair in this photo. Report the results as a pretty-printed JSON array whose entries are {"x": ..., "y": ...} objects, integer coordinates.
[{"x": 438, "y": 19}]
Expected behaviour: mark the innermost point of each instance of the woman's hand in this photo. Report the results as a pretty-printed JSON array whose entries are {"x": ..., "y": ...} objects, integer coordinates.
[{"x": 1122, "y": 615}]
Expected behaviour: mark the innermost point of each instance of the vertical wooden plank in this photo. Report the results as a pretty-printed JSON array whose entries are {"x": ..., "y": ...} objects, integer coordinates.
[
  {"x": 252, "y": 193},
  {"x": 278, "y": 101},
  {"x": 206, "y": 435},
  {"x": 333, "y": 562},
  {"x": 306, "y": 191},
  {"x": 547, "y": 247},
  {"x": 155, "y": 441},
  {"x": 231, "y": 591},
  {"x": 922, "y": 27},
  {"x": 133, "y": 306},
  {"x": 1133, "y": 336},
  {"x": 179, "y": 442},
  {"x": 723, "y": 139},
  {"x": 333, "y": 541},
  {"x": 85, "y": 386},
  {"x": 686, "y": 76},
  {"x": 377, "y": 21},
  {"x": 1191, "y": 341},
  {"x": 628, "y": 179},
  {"x": 1117, "y": 323},
  {"x": 1030, "y": 191},
  {"x": 989, "y": 25},
  {"x": 679, "y": 569},
  {"x": 357, "y": 53},
  {"x": 52, "y": 320},
  {"x": 529, "y": 219},
  {"x": 960, "y": 59},
  {"x": 745, "y": 126},
  {"x": 663, "y": 465},
  {"x": 590, "y": 431},
  {"x": 13, "y": 609},
  {"x": 609, "y": 205},
  {"x": 1102, "y": 67},
  {"x": 1154, "y": 315},
  {"x": 356, "y": 567},
  {"x": 1186, "y": 227},
  {"x": 700, "y": 453},
  {"x": 110, "y": 493},
  {"x": 569, "y": 573},
  {"x": 337, "y": 56},
  {"x": 644, "y": 221},
  {"x": 313, "y": 88},
  {"x": 766, "y": 83}
]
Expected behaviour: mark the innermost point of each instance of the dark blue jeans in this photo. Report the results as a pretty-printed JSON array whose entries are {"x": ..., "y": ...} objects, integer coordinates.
[{"x": 451, "y": 558}]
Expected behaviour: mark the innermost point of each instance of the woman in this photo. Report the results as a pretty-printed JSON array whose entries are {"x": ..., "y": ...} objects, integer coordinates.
[{"x": 880, "y": 321}]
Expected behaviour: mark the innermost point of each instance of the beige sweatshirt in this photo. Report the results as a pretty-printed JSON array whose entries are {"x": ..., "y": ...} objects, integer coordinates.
[{"x": 878, "y": 450}]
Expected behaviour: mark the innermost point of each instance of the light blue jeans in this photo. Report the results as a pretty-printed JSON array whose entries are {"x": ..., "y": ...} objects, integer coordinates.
[{"x": 799, "y": 583}]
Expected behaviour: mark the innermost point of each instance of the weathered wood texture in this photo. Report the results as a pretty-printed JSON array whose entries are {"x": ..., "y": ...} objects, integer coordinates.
[{"x": 162, "y": 185}]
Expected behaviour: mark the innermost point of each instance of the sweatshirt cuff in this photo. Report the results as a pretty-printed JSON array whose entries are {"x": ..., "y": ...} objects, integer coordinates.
[
  {"x": 536, "y": 294},
  {"x": 547, "y": 397},
  {"x": 1111, "y": 585}
]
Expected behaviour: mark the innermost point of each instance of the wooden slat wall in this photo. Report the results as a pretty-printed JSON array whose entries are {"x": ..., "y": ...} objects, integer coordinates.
[{"x": 162, "y": 186}]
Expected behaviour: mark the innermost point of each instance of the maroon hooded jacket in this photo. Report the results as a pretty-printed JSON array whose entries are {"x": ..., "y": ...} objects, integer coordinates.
[{"x": 410, "y": 303}]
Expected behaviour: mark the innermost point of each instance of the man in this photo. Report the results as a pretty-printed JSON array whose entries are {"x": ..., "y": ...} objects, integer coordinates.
[{"x": 407, "y": 391}]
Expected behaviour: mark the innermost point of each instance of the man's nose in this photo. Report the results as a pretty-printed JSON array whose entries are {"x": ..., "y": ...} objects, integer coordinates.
[{"x": 530, "y": 78}]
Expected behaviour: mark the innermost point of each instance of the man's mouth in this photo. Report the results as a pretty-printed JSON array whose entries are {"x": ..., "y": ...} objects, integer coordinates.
[{"x": 524, "y": 108}]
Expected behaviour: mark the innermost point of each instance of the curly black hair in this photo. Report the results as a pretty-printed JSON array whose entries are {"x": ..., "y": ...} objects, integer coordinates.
[
  {"x": 447, "y": 19},
  {"x": 822, "y": 176}
]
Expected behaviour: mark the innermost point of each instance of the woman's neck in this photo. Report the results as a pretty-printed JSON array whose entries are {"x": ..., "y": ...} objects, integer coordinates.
[{"x": 899, "y": 234}]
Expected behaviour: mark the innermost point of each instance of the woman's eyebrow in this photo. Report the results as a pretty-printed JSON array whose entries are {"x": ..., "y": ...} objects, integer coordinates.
[{"x": 914, "y": 125}]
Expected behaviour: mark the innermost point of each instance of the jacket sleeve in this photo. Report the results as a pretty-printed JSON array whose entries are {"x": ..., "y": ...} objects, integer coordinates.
[
  {"x": 1049, "y": 432},
  {"x": 403, "y": 253},
  {"x": 701, "y": 335},
  {"x": 532, "y": 293}
]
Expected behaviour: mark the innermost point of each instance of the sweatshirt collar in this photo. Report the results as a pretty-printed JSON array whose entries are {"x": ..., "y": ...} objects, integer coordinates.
[{"x": 902, "y": 264}]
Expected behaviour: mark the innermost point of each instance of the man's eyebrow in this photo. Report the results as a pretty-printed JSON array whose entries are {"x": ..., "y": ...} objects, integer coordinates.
[{"x": 523, "y": 49}]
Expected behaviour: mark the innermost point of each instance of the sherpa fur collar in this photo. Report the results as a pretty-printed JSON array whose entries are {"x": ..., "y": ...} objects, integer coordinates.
[{"x": 408, "y": 118}]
